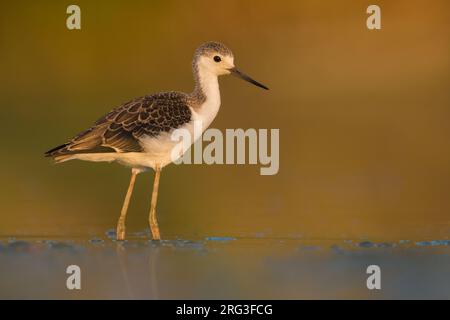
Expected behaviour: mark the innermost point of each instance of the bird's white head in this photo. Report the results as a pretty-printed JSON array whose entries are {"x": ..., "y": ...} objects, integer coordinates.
[{"x": 215, "y": 59}]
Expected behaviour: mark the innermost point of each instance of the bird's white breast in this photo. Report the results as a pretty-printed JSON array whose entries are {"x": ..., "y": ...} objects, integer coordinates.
[{"x": 159, "y": 150}]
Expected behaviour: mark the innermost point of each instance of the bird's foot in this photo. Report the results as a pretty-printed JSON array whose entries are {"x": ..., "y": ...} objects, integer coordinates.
[{"x": 155, "y": 232}]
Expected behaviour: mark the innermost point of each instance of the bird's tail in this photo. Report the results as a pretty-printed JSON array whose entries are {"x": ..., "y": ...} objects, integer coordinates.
[{"x": 59, "y": 153}]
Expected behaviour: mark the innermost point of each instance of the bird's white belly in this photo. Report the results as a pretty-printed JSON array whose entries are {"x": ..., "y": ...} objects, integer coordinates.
[{"x": 157, "y": 153}]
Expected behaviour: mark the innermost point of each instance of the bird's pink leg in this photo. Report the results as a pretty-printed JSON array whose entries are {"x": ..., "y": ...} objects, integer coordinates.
[
  {"x": 152, "y": 217},
  {"x": 120, "y": 233}
]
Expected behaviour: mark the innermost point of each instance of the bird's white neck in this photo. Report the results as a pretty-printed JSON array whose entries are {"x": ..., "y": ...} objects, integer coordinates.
[
  {"x": 209, "y": 84},
  {"x": 207, "y": 94}
]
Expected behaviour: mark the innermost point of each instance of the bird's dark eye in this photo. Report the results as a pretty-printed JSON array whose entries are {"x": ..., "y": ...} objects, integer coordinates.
[{"x": 217, "y": 59}]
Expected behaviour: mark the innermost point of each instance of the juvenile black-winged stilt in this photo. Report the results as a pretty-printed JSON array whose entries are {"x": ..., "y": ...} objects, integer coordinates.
[{"x": 137, "y": 134}]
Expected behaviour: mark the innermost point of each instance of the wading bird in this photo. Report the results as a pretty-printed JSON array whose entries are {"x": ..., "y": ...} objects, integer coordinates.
[{"x": 137, "y": 134}]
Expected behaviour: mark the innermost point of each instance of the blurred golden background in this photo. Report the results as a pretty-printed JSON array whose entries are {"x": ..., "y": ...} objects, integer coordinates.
[{"x": 363, "y": 117}]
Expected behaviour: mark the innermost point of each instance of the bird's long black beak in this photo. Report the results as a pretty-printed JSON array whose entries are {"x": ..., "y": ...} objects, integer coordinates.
[{"x": 234, "y": 71}]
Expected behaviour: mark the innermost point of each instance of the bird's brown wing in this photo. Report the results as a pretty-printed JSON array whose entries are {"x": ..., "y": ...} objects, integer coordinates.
[{"x": 121, "y": 129}]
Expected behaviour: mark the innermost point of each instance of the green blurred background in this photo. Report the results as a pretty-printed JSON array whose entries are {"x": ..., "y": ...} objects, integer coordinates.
[{"x": 363, "y": 117}]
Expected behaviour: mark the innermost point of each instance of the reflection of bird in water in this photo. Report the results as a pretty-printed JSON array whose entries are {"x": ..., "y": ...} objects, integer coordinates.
[
  {"x": 153, "y": 272},
  {"x": 138, "y": 133},
  {"x": 123, "y": 264}
]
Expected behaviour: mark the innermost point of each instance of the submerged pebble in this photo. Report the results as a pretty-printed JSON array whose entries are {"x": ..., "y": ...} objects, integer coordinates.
[
  {"x": 111, "y": 234},
  {"x": 366, "y": 244},
  {"x": 63, "y": 246},
  {"x": 433, "y": 243},
  {"x": 385, "y": 245},
  {"x": 96, "y": 240},
  {"x": 220, "y": 239},
  {"x": 19, "y": 246},
  {"x": 188, "y": 244},
  {"x": 441, "y": 242}
]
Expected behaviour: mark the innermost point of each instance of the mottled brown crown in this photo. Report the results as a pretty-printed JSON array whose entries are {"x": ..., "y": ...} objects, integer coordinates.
[{"x": 211, "y": 47}]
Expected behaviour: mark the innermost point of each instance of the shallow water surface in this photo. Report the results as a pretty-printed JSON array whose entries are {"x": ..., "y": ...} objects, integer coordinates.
[{"x": 228, "y": 268}]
